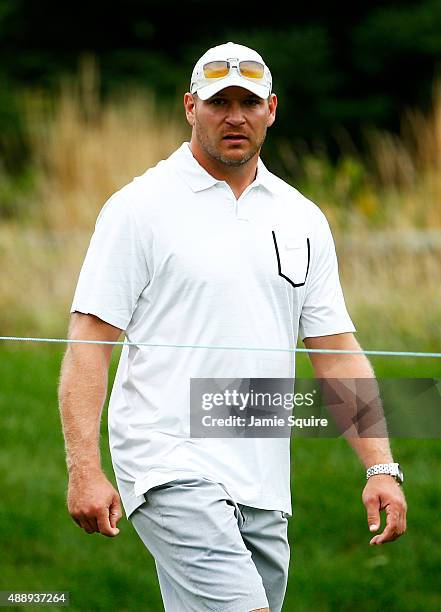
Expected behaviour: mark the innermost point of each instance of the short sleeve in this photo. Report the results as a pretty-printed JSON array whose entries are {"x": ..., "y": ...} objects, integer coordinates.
[
  {"x": 324, "y": 310},
  {"x": 115, "y": 271}
]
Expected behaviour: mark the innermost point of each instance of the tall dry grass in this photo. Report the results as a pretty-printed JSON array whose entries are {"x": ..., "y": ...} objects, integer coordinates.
[
  {"x": 384, "y": 210},
  {"x": 394, "y": 184},
  {"x": 83, "y": 149}
]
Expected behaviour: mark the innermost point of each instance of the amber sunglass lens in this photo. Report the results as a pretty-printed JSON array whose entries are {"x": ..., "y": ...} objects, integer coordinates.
[
  {"x": 252, "y": 70},
  {"x": 216, "y": 70}
]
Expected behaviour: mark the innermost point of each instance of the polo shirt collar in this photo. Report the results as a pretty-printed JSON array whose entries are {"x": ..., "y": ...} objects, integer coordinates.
[{"x": 199, "y": 179}]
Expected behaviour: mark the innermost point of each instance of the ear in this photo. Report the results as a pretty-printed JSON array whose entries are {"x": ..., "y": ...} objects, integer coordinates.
[
  {"x": 272, "y": 105},
  {"x": 189, "y": 105}
]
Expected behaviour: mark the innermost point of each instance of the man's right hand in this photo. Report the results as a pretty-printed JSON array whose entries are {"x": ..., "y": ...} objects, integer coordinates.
[{"x": 94, "y": 503}]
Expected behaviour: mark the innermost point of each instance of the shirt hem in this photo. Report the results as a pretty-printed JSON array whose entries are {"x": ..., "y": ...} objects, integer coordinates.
[
  {"x": 328, "y": 332},
  {"x": 159, "y": 477},
  {"x": 101, "y": 314}
]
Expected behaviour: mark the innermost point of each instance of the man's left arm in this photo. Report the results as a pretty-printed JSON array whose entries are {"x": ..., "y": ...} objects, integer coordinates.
[{"x": 382, "y": 491}]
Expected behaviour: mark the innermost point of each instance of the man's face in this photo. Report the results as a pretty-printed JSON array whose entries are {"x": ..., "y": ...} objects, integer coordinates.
[{"x": 231, "y": 125}]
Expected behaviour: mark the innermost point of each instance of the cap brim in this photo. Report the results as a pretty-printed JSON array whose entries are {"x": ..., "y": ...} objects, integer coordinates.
[{"x": 207, "y": 91}]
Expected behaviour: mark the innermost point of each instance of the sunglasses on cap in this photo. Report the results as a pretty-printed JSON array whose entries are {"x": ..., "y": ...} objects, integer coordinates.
[{"x": 249, "y": 69}]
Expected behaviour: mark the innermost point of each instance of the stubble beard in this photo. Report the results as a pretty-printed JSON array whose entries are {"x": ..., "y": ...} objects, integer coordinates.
[{"x": 207, "y": 146}]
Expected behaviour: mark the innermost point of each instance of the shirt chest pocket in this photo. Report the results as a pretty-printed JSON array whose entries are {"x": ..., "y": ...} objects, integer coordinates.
[{"x": 293, "y": 258}]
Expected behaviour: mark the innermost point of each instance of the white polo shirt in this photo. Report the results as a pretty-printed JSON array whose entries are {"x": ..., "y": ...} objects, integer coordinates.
[{"x": 175, "y": 259}]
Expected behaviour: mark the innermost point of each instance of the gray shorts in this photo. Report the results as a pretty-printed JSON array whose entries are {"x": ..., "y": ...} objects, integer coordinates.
[{"x": 211, "y": 553}]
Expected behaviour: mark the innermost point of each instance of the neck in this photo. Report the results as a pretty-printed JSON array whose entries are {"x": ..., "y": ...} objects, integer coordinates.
[{"x": 237, "y": 177}]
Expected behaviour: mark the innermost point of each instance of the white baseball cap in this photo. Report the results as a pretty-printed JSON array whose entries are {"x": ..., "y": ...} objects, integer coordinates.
[{"x": 232, "y": 54}]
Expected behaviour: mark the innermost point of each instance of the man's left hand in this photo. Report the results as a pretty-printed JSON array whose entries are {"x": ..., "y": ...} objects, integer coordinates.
[{"x": 382, "y": 492}]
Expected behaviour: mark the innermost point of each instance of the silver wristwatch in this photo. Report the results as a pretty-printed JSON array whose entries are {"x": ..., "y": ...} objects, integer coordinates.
[{"x": 393, "y": 469}]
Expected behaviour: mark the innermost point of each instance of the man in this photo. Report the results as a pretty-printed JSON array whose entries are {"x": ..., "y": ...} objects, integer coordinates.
[{"x": 207, "y": 250}]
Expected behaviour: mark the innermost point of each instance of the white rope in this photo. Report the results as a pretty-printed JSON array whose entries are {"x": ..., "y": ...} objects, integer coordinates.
[{"x": 229, "y": 348}]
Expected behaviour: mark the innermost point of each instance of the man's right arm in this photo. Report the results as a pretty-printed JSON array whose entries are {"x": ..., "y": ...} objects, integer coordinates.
[{"x": 92, "y": 500}]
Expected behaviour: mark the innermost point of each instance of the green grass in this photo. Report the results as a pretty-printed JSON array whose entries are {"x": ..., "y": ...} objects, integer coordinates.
[{"x": 332, "y": 565}]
